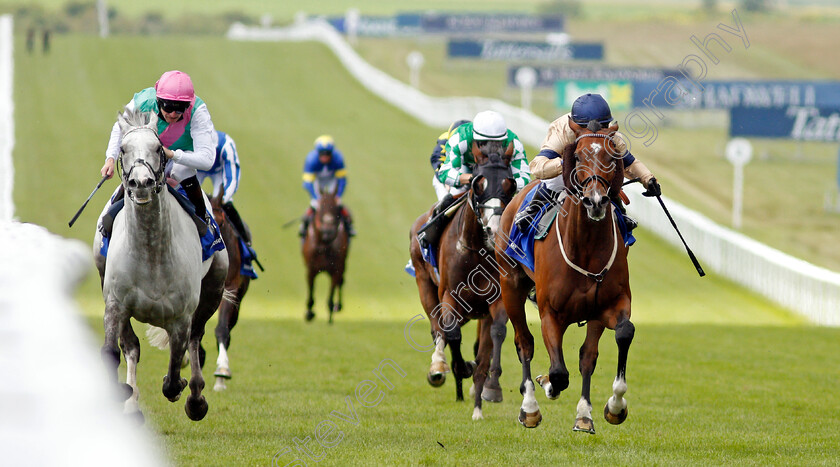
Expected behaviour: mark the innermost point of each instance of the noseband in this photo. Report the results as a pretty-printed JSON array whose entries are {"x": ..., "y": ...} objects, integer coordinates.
[{"x": 158, "y": 174}]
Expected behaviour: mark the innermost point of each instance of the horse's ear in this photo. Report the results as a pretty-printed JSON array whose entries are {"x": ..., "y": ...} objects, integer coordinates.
[
  {"x": 575, "y": 127},
  {"x": 614, "y": 127},
  {"x": 479, "y": 183},
  {"x": 509, "y": 150},
  {"x": 153, "y": 121},
  {"x": 122, "y": 120}
]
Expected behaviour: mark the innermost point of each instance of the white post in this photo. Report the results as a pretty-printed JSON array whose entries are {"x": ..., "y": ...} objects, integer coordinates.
[
  {"x": 415, "y": 61},
  {"x": 266, "y": 20},
  {"x": 102, "y": 15},
  {"x": 526, "y": 79},
  {"x": 7, "y": 121},
  {"x": 738, "y": 152},
  {"x": 351, "y": 25}
]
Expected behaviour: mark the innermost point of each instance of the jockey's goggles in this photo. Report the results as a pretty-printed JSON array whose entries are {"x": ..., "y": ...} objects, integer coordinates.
[{"x": 173, "y": 106}]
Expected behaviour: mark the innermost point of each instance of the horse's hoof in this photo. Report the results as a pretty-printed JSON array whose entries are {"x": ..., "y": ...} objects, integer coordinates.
[
  {"x": 545, "y": 383},
  {"x": 585, "y": 425},
  {"x": 470, "y": 367},
  {"x": 491, "y": 394},
  {"x": 615, "y": 419},
  {"x": 220, "y": 384},
  {"x": 310, "y": 315},
  {"x": 196, "y": 407},
  {"x": 530, "y": 420},
  {"x": 135, "y": 418},
  {"x": 437, "y": 374},
  {"x": 173, "y": 391},
  {"x": 222, "y": 372}
]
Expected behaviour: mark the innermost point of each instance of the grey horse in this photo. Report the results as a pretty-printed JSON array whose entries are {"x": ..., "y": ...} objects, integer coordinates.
[{"x": 154, "y": 271}]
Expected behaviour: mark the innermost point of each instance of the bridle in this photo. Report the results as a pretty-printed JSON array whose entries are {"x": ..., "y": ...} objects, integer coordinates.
[
  {"x": 498, "y": 170},
  {"x": 573, "y": 189},
  {"x": 325, "y": 237},
  {"x": 158, "y": 174}
]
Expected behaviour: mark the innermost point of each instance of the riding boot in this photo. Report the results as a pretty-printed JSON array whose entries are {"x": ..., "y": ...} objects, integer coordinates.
[
  {"x": 628, "y": 221},
  {"x": 543, "y": 196},
  {"x": 233, "y": 215},
  {"x": 117, "y": 203},
  {"x": 304, "y": 224},
  {"x": 430, "y": 233},
  {"x": 348, "y": 221},
  {"x": 196, "y": 196}
]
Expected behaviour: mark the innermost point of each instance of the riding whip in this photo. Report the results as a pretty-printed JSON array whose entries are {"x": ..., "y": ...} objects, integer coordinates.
[
  {"x": 291, "y": 222},
  {"x": 687, "y": 249},
  {"x": 79, "y": 212}
]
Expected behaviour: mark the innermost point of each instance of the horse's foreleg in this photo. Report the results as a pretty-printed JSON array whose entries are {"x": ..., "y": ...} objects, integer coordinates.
[
  {"x": 222, "y": 331},
  {"x": 196, "y": 405},
  {"x": 514, "y": 293},
  {"x": 131, "y": 350},
  {"x": 552, "y": 332},
  {"x": 451, "y": 322},
  {"x": 615, "y": 411},
  {"x": 110, "y": 349},
  {"x": 173, "y": 384},
  {"x": 310, "y": 301},
  {"x": 335, "y": 281},
  {"x": 588, "y": 360},
  {"x": 492, "y": 391}
]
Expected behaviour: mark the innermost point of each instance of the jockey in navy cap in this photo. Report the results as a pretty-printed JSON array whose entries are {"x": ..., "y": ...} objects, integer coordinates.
[{"x": 588, "y": 110}]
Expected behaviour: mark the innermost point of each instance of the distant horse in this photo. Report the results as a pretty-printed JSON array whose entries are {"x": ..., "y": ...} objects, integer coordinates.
[
  {"x": 581, "y": 276},
  {"x": 153, "y": 271},
  {"x": 467, "y": 286},
  {"x": 325, "y": 250},
  {"x": 236, "y": 284}
]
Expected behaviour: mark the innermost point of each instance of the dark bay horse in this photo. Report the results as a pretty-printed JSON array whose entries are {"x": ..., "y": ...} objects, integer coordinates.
[
  {"x": 468, "y": 285},
  {"x": 581, "y": 276},
  {"x": 236, "y": 285},
  {"x": 325, "y": 250}
]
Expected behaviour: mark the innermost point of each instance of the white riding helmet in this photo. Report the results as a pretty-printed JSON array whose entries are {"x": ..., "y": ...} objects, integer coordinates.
[{"x": 489, "y": 125}]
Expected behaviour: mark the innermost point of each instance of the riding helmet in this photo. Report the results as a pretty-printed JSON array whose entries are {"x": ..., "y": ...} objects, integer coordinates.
[
  {"x": 175, "y": 86},
  {"x": 489, "y": 125},
  {"x": 324, "y": 143},
  {"x": 591, "y": 107}
]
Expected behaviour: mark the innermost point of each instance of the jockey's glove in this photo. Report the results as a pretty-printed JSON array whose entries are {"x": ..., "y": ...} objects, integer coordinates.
[{"x": 653, "y": 188}]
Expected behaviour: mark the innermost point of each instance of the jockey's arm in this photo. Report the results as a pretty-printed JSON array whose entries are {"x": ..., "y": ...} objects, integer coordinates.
[
  {"x": 451, "y": 172},
  {"x": 340, "y": 173},
  {"x": 519, "y": 164},
  {"x": 204, "y": 142},
  {"x": 309, "y": 184}
]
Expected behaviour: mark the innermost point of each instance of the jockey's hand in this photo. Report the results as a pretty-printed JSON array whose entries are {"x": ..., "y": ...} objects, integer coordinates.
[
  {"x": 108, "y": 169},
  {"x": 653, "y": 188},
  {"x": 168, "y": 153},
  {"x": 464, "y": 179},
  {"x": 338, "y": 200}
]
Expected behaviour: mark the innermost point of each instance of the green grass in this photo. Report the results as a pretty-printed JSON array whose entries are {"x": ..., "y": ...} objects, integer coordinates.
[{"x": 716, "y": 373}]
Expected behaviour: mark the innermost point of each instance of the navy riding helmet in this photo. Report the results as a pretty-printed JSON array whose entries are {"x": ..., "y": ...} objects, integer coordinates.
[{"x": 591, "y": 107}]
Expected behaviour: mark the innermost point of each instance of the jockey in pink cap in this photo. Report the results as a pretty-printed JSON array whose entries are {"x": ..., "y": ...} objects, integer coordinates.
[{"x": 186, "y": 131}]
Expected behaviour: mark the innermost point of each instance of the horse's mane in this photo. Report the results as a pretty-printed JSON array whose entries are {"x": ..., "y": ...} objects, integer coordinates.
[{"x": 135, "y": 118}]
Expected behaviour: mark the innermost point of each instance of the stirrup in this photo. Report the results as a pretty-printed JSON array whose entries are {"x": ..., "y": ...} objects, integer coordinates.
[
  {"x": 630, "y": 222},
  {"x": 523, "y": 218}
]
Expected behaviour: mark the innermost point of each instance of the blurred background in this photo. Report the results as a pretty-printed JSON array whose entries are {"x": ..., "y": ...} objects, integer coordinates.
[{"x": 769, "y": 73}]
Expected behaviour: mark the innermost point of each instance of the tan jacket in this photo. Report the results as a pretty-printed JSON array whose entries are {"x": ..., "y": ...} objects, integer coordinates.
[{"x": 560, "y": 134}]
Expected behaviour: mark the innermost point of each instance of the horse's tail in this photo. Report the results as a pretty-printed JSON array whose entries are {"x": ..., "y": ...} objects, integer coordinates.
[
  {"x": 230, "y": 297},
  {"x": 157, "y": 337}
]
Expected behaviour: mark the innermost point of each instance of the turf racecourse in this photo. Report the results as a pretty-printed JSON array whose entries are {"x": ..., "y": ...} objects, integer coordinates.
[{"x": 716, "y": 375}]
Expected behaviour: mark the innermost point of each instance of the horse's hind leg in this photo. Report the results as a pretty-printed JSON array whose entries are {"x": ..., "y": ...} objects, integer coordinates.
[
  {"x": 335, "y": 286},
  {"x": 492, "y": 391},
  {"x": 110, "y": 349},
  {"x": 227, "y": 313},
  {"x": 588, "y": 360},
  {"x": 482, "y": 360},
  {"x": 615, "y": 411},
  {"x": 131, "y": 350}
]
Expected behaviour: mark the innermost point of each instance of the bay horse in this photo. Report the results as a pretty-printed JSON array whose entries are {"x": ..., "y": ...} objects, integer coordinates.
[
  {"x": 325, "y": 250},
  {"x": 153, "y": 271},
  {"x": 467, "y": 287},
  {"x": 236, "y": 285},
  {"x": 581, "y": 276}
]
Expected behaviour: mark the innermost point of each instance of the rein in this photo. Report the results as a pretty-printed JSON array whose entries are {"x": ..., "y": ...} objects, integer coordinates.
[{"x": 159, "y": 175}]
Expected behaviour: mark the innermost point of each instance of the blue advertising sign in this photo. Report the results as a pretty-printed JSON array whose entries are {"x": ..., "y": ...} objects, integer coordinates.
[
  {"x": 547, "y": 76},
  {"x": 381, "y": 26},
  {"x": 802, "y": 123},
  {"x": 675, "y": 93},
  {"x": 473, "y": 23},
  {"x": 491, "y": 49}
]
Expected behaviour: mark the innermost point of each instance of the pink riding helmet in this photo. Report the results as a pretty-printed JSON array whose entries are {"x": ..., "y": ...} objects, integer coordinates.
[{"x": 175, "y": 86}]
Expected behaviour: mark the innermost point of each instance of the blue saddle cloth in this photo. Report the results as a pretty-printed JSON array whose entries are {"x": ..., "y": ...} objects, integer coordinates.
[
  {"x": 246, "y": 256},
  {"x": 521, "y": 244},
  {"x": 211, "y": 241},
  {"x": 429, "y": 256}
]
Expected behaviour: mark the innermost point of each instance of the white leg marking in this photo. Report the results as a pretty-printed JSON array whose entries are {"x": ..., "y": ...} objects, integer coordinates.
[
  {"x": 472, "y": 391},
  {"x": 220, "y": 385},
  {"x": 477, "y": 414},
  {"x": 584, "y": 409},
  {"x": 222, "y": 361},
  {"x": 617, "y": 403},
  {"x": 438, "y": 355},
  {"x": 529, "y": 401},
  {"x": 131, "y": 405}
]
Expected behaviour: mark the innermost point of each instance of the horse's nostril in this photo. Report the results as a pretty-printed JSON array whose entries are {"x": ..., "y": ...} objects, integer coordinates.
[
  {"x": 148, "y": 182},
  {"x": 132, "y": 183},
  {"x": 604, "y": 201},
  {"x": 587, "y": 202}
]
